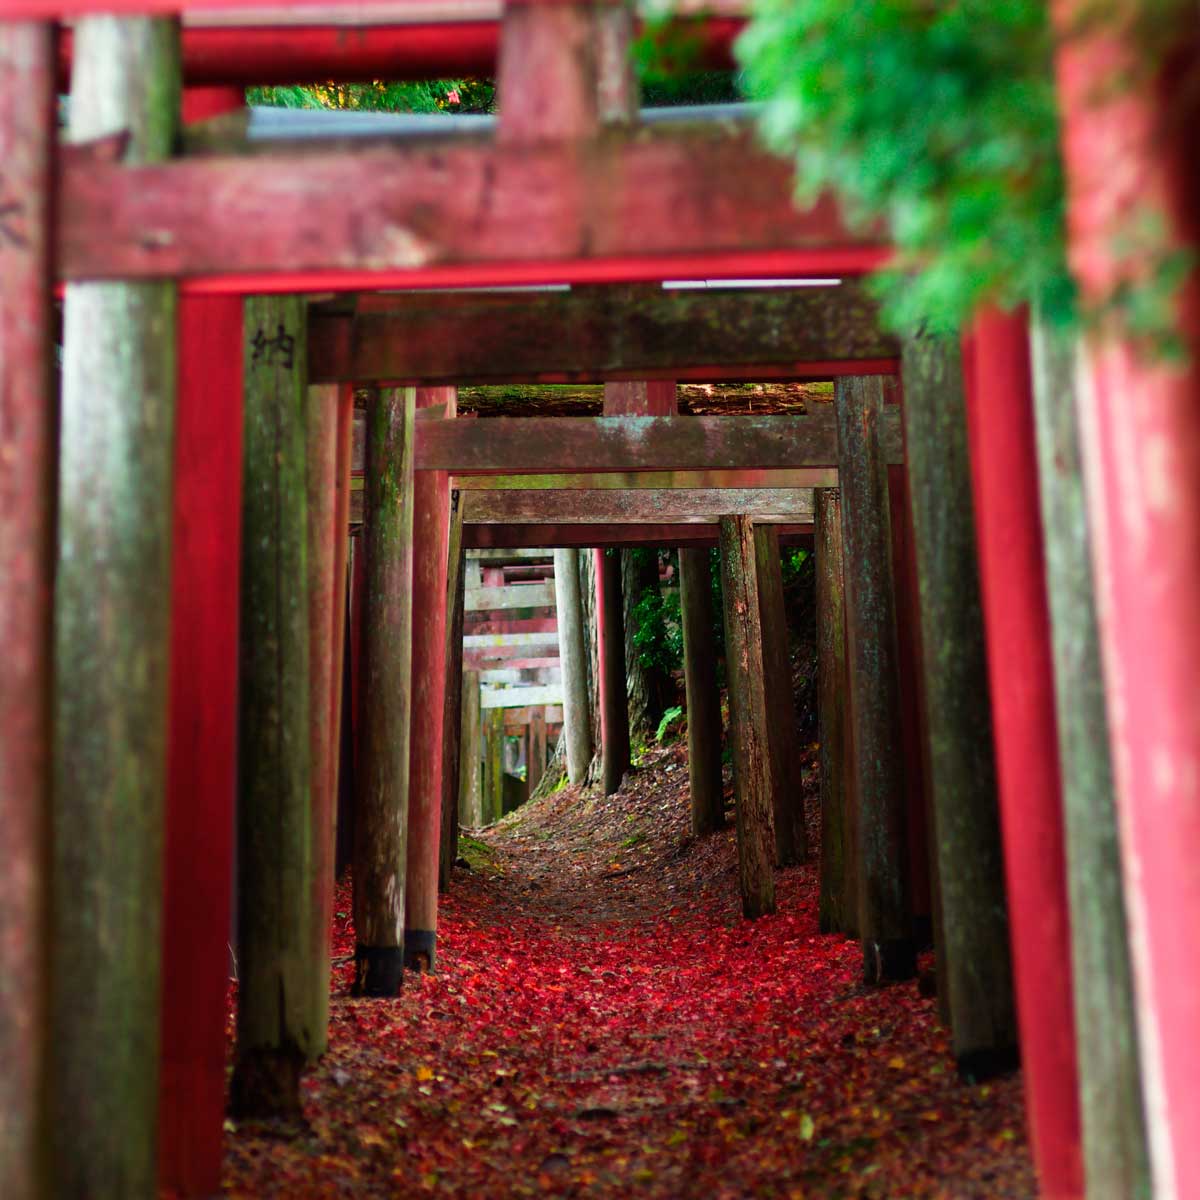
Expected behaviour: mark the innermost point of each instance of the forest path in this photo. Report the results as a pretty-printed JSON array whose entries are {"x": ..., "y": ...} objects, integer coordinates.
[{"x": 604, "y": 1024}]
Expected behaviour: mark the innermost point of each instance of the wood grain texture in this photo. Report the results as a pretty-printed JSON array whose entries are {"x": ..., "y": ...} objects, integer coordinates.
[
  {"x": 452, "y": 719},
  {"x": 572, "y": 650},
  {"x": 752, "y": 775},
  {"x": 614, "y": 703},
  {"x": 701, "y": 506},
  {"x": 698, "y": 191},
  {"x": 593, "y": 334},
  {"x": 884, "y": 888},
  {"x": 27, "y": 505},
  {"x": 514, "y": 445},
  {"x": 470, "y": 788},
  {"x": 1115, "y": 1144},
  {"x": 802, "y": 477},
  {"x": 381, "y": 816},
  {"x": 966, "y": 817},
  {"x": 576, "y": 535},
  {"x": 703, "y": 696},
  {"x": 524, "y": 595},
  {"x": 112, "y": 656},
  {"x": 275, "y": 885}
]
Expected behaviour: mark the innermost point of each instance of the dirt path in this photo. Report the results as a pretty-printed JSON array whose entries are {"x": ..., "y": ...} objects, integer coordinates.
[{"x": 605, "y": 1024}]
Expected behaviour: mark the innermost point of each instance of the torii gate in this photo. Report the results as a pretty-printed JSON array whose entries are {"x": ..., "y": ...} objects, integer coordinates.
[{"x": 747, "y": 227}]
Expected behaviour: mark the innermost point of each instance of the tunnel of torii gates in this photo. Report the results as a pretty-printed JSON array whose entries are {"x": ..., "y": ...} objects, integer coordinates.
[{"x": 171, "y": 530}]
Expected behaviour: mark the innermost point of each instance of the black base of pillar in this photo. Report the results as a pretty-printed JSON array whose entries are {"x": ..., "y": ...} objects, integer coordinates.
[
  {"x": 266, "y": 1085},
  {"x": 890, "y": 961},
  {"x": 977, "y": 1066},
  {"x": 420, "y": 950},
  {"x": 379, "y": 971}
]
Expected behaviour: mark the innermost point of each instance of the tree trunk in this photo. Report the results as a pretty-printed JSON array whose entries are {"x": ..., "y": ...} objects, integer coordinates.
[
  {"x": 1116, "y": 1154},
  {"x": 966, "y": 819},
  {"x": 837, "y": 904},
  {"x": 572, "y": 653},
  {"x": 112, "y": 627},
  {"x": 470, "y": 790},
  {"x": 275, "y": 886},
  {"x": 703, "y": 696},
  {"x": 28, "y": 410},
  {"x": 322, "y": 504},
  {"x": 752, "y": 775},
  {"x": 614, "y": 708},
  {"x": 885, "y": 911},
  {"x": 787, "y": 795},
  {"x": 452, "y": 720},
  {"x": 648, "y": 688},
  {"x": 431, "y": 531},
  {"x": 381, "y": 816}
]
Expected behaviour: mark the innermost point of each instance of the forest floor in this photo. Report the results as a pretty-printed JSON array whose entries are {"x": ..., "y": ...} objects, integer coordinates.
[{"x": 605, "y": 1024}]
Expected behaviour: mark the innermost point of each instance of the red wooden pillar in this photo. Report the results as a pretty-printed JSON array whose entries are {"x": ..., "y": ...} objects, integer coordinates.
[
  {"x": 28, "y": 415},
  {"x": 202, "y": 742},
  {"x": 431, "y": 531},
  {"x": 1129, "y": 146},
  {"x": 1012, "y": 576}
]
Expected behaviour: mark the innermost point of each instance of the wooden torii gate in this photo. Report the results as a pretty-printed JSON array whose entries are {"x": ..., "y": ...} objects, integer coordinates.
[{"x": 81, "y": 213}]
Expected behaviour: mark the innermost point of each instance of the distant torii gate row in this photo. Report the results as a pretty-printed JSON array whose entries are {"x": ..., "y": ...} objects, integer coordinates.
[{"x": 361, "y": 217}]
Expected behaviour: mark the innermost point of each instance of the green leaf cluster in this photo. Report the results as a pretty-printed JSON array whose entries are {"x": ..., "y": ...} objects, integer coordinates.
[{"x": 938, "y": 120}]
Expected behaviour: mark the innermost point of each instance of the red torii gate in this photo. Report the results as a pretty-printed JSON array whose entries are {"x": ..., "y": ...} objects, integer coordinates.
[{"x": 27, "y": 252}]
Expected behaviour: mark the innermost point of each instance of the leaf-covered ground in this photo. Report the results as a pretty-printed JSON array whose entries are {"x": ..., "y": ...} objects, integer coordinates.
[{"x": 605, "y": 1024}]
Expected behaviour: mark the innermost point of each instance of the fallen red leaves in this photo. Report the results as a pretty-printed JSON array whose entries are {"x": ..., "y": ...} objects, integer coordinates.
[{"x": 603, "y": 1024}]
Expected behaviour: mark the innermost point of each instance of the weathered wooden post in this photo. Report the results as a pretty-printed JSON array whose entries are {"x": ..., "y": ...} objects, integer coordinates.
[
  {"x": 202, "y": 741},
  {"x": 978, "y": 967},
  {"x": 838, "y": 904},
  {"x": 568, "y": 611},
  {"x": 112, "y": 653},
  {"x": 470, "y": 790},
  {"x": 431, "y": 529},
  {"x": 1013, "y": 585},
  {"x": 493, "y": 771},
  {"x": 787, "y": 798},
  {"x": 889, "y": 952},
  {"x": 752, "y": 774},
  {"x": 614, "y": 703},
  {"x": 341, "y": 580},
  {"x": 28, "y": 133},
  {"x": 452, "y": 712},
  {"x": 535, "y": 753},
  {"x": 321, "y": 490},
  {"x": 703, "y": 697},
  {"x": 381, "y": 813},
  {"x": 1115, "y": 1150},
  {"x": 1126, "y": 124},
  {"x": 275, "y": 1003}
]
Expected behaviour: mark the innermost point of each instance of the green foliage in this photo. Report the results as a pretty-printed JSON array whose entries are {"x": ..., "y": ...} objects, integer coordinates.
[
  {"x": 669, "y": 718},
  {"x": 792, "y": 565},
  {"x": 419, "y": 96},
  {"x": 940, "y": 119},
  {"x": 657, "y": 631}
]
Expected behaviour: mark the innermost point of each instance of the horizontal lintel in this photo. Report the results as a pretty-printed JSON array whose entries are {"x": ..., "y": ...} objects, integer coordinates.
[{"x": 775, "y": 506}]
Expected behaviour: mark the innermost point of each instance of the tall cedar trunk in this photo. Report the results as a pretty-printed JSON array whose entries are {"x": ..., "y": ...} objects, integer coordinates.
[
  {"x": 452, "y": 720},
  {"x": 787, "y": 796},
  {"x": 889, "y": 952},
  {"x": 1116, "y": 1154},
  {"x": 614, "y": 702},
  {"x": 647, "y": 687},
  {"x": 703, "y": 696},
  {"x": 572, "y": 655},
  {"x": 431, "y": 530},
  {"x": 28, "y": 411},
  {"x": 966, "y": 819},
  {"x": 112, "y": 625},
  {"x": 275, "y": 1005},
  {"x": 381, "y": 815},
  {"x": 837, "y": 850},
  {"x": 752, "y": 774},
  {"x": 322, "y": 535}
]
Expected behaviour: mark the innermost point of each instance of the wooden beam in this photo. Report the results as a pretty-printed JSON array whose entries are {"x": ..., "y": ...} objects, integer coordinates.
[
  {"x": 28, "y": 418},
  {"x": 520, "y": 697},
  {"x": 595, "y": 334},
  {"x": 639, "y": 506},
  {"x": 513, "y": 445},
  {"x": 521, "y": 595},
  {"x": 525, "y": 641},
  {"x": 532, "y": 675},
  {"x": 802, "y": 477},
  {"x": 678, "y": 199},
  {"x": 612, "y": 535},
  {"x": 517, "y": 717}
]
